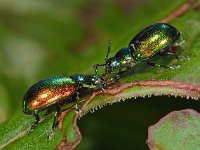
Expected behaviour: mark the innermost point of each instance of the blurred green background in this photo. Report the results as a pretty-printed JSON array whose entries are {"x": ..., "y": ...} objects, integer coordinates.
[{"x": 46, "y": 38}]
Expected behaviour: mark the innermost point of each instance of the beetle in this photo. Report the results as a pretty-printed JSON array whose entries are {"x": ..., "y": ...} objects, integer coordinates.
[
  {"x": 158, "y": 38},
  {"x": 51, "y": 94}
]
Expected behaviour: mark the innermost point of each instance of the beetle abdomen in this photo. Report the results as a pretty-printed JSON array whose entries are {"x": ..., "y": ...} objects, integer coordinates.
[
  {"x": 152, "y": 39},
  {"x": 47, "y": 92}
]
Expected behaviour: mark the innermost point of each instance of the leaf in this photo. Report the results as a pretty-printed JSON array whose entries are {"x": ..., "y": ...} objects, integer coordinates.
[
  {"x": 177, "y": 130},
  {"x": 13, "y": 134},
  {"x": 143, "y": 81}
]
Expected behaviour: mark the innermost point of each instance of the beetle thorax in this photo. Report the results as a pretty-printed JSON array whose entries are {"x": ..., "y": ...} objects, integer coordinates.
[
  {"x": 112, "y": 64},
  {"x": 91, "y": 81}
]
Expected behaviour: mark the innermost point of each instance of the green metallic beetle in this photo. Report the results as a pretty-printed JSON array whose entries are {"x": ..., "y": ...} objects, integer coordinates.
[
  {"x": 158, "y": 38},
  {"x": 51, "y": 94}
]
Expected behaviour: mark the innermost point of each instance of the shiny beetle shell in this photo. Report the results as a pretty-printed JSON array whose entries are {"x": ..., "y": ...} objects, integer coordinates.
[
  {"x": 48, "y": 92},
  {"x": 153, "y": 39}
]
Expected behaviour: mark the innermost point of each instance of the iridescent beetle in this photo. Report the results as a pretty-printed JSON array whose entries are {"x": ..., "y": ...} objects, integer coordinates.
[
  {"x": 50, "y": 94},
  {"x": 155, "y": 39}
]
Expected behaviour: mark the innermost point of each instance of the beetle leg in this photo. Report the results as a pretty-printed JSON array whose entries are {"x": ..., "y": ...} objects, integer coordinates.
[
  {"x": 77, "y": 109},
  {"x": 96, "y": 66},
  {"x": 77, "y": 98},
  {"x": 102, "y": 82},
  {"x": 179, "y": 42},
  {"x": 122, "y": 72},
  {"x": 163, "y": 66},
  {"x": 118, "y": 75},
  {"x": 171, "y": 52},
  {"x": 37, "y": 120},
  {"x": 129, "y": 66},
  {"x": 115, "y": 76},
  {"x": 55, "y": 121}
]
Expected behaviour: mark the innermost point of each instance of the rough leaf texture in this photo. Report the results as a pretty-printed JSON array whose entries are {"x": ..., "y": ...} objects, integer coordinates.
[{"x": 177, "y": 130}]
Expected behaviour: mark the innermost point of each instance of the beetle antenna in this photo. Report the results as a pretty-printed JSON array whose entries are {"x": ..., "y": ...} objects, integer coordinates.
[{"x": 109, "y": 47}]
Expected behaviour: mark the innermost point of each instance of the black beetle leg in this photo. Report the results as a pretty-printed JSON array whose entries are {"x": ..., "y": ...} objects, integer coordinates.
[
  {"x": 116, "y": 76},
  {"x": 162, "y": 66},
  {"x": 121, "y": 73},
  {"x": 37, "y": 120},
  {"x": 55, "y": 121},
  {"x": 184, "y": 58},
  {"x": 171, "y": 52},
  {"x": 96, "y": 67},
  {"x": 77, "y": 98},
  {"x": 102, "y": 82},
  {"x": 129, "y": 67},
  {"x": 77, "y": 109},
  {"x": 168, "y": 53}
]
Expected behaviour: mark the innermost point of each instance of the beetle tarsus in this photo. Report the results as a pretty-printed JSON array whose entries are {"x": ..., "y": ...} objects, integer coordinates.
[
  {"x": 96, "y": 66},
  {"x": 78, "y": 111},
  {"x": 55, "y": 122},
  {"x": 162, "y": 66},
  {"x": 186, "y": 58},
  {"x": 175, "y": 66}
]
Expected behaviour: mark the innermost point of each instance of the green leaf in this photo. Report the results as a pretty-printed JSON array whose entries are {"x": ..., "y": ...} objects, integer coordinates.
[
  {"x": 14, "y": 134},
  {"x": 143, "y": 80},
  {"x": 177, "y": 130}
]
